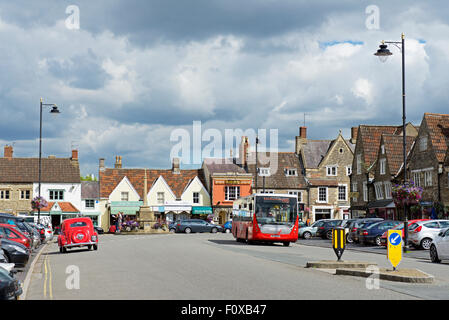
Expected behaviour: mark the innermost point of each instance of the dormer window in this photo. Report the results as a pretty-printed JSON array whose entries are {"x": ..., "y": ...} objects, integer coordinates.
[
  {"x": 291, "y": 172},
  {"x": 264, "y": 172},
  {"x": 423, "y": 144},
  {"x": 382, "y": 149}
]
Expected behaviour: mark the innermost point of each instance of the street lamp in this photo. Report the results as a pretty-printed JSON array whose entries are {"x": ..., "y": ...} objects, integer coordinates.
[
  {"x": 54, "y": 111},
  {"x": 383, "y": 53}
]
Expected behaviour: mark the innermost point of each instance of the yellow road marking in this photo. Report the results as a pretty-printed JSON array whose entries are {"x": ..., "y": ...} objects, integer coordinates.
[
  {"x": 45, "y": 276},
  {"x": 50, "y": 279}
]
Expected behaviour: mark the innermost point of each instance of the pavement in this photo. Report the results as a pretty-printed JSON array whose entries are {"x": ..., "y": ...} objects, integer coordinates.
[{"x": 215, "y": 266}]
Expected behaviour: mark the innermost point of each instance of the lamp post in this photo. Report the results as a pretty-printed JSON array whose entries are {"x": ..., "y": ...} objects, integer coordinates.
[
  {"x": 54, "y": 111},
  {"x": 383, "y": 53}
]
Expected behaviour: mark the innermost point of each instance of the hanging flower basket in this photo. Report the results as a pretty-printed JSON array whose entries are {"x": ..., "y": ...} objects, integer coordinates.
[
  {"x": 38, "y": 203},
  {"x": 406, "y": 194}
]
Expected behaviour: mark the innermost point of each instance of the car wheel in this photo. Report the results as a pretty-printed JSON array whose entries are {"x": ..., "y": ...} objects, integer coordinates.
[
  {"x": 286, "y": 244},
  {"x": 378, "y": 242},
  {"x": 228, "y": 230},
  {"x": 172, "y": 230},
  {"x": 307, "y": 235},
  {"x": 95, "y": 247},
  {"x": 434, "y": 254},
  {"x": 60, "y": 249},
  {"x": 349, "y": 239},
  {"x": 187, "y": 230},
  {"x": 89, "y": 247},
  {"x": 426, "y": 243},
  {"x": 329, "y": 235},
  {"x": 214, "y": 230}
]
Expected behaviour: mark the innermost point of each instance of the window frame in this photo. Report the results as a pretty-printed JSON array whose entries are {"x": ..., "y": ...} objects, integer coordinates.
[
  {"x": 327, "y": 197},
  {"x": 55, "y": 192}
]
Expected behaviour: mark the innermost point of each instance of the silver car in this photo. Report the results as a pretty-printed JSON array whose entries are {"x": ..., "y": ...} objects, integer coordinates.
[
  {"x": 310, "y": 231},
  {"x": 439, "y": 249},
  {"x": 422, "y": 233}
]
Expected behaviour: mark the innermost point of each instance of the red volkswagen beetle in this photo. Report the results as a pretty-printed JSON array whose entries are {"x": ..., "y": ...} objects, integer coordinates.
[{"x": 77, "y": 232}]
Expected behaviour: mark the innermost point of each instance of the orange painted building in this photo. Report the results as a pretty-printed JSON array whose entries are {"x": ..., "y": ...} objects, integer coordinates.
[{"x": 226, "y": 182}]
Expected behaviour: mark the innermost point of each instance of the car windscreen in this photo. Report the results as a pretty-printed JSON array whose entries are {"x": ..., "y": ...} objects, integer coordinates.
[
  {"x": 275, "y": 210},
  {"x": 78, "y": 224}
]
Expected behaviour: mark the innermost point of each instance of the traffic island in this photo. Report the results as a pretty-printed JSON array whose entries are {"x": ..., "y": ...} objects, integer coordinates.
[
  {"x": 400, "y": 275},
  {"x": 332, "y": 264}
]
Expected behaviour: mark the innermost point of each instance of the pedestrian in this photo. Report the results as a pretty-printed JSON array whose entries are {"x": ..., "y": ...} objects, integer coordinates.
[{"x": 308, "y": 222}]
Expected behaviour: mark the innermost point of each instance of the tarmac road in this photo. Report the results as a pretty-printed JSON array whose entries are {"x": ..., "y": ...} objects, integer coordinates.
[{"x": 212, "y": 266}]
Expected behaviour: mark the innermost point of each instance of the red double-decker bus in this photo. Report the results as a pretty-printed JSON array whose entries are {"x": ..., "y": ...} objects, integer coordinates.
[{"x": 266, "y": 218}]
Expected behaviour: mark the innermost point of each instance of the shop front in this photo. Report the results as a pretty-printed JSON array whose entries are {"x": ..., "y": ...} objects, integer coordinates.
[
  {"x": 172, "y": 212},
  {"x": 129, "y": 210},
  {"x": 202, "y": 212}
]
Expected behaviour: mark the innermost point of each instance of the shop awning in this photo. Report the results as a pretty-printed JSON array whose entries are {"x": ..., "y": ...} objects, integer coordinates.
[
  {"x": 381, "y": 204},
  {"x": 201, "y": 210},
  {"x": 126, "y": 207}
]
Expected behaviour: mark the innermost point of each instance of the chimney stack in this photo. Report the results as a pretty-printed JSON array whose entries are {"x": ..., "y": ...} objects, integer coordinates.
[
  {"x": 8, "y": 152},
  {"x": 301, "y": 139},
  {"x": 243, "y": 151},
  {"x": 118, "y": 162},
  {"x": 175, "y": 165},
  {"x": 354, "y": 131},
  {"x": 75, "y": 155},
  {"x": 101, "y": 165}
]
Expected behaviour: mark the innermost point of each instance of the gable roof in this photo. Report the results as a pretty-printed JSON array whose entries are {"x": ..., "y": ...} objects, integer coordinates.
[
  {"x": 110, "y": 178},
  {"x": 90, "y": 189},
  {"x": 278, "y": 179},
  {"x": 370, "y": 138},
  {"x": 394, "y": 150},
  {"x": 438, "y": 128},
  {"x": 315, "y": 151},
  {"x": 65, "y": 207},
  {"x": 26, "y": 170},
  {"x": 219, "y": 165}
]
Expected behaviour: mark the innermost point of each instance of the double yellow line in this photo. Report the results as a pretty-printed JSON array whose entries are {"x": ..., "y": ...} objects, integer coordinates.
[{"x": 47, "y": 278}]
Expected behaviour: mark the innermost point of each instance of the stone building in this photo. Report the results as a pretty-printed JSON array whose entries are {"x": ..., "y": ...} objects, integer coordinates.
[
  {"x": 388, "y": 171},
  {"x": 19, "y": 181},
  {"x": 367, "y": 140},
  {"x": 427, "y": 164},
  {"x": 327, "y": 168}
]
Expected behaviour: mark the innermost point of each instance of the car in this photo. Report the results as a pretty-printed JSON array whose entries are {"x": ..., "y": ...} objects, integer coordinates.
[
  {"x": 383, "y": 239},
  {"x": 227, "y": 227},
  {"x": 10, "y": 288},
  {"x": 301, "y": 224},
  {"x": 372, "y": 233},
  {"x": 40, "y": 229},
  {"x": 99, "y": 230},
  {"x": 197, "y": 225},
  {"x": 359, "y": 223},
  {"x": 20, "y": 223},
  {"x": 439, "y": 248},
  {"x": 422, "y": 233},
  {"x": 345, "y": 223},
  {"x": 12, "y": 233},
  {"x": 15, "y": 252},
  {"x": 77, "y": 232},
  {"x": 310, "y": 231},
  {"x": 325, "y": 230}
]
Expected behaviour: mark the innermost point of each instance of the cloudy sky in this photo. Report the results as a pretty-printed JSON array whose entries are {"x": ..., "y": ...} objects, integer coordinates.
[{"x": 136, "y": 71}]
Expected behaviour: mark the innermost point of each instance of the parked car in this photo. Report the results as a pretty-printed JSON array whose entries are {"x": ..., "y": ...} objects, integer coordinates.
[
  {"x": 77, "y": 232},
  {"x": 15, "y": 252},
  {"x": 325, "y": 230},
  {"x": 372, "y": 233},
  {"x": 422, "y": 233},
  {"x": 20, "y": 223},
  {"x": 99, "y": 230},
  {"x": 346, "y": 223},
  {"x": 197, "y": 225},
  {"x": 10, "y": 288},
  {"x": 12, "y": 233},
  {"x": 310, "y": 231},
  {"x": 40, "y": 229},
  {"x": 172, "y": 226},
  {"x": 359, "y": 223},
  {"x": 227, "y": 227},
  {"x": 383, "y": 239},
  {"x": 439, "y": 249}
]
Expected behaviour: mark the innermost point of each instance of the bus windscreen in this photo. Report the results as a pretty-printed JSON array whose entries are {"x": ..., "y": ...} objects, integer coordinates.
[{"x": 276, "y": 210}]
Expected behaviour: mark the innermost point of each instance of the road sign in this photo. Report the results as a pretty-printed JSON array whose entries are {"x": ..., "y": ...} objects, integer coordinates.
[
  {"x": 339, "y": 241},
  {"x": 394, "y": 247}
]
